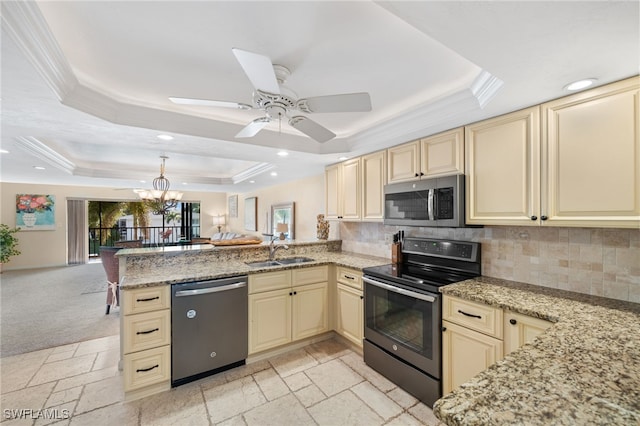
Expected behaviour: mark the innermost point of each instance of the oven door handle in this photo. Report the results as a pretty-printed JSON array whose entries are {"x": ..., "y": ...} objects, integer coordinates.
[{"x": 399, "y": 290}]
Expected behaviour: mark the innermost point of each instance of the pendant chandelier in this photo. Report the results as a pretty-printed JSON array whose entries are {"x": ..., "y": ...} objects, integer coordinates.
[{"x": 160, "y": 199}]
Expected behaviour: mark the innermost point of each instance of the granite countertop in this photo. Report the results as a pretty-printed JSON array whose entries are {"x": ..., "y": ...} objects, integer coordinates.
[
  {"x": 585, "y": 369},
  {"x": 196, "y": 271}
]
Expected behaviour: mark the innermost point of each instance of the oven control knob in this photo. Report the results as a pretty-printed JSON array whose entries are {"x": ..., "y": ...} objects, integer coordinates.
[{"x": 395, "y": 347}]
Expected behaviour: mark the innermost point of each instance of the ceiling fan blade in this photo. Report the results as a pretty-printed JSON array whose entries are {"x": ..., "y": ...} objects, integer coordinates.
[
  {"x": 259, "y": 69},
  {"x": 348, "y": 102},
  {"x": 253, "y": 128},
  {"x": 311, "y": 128},
  {"x": 206, "y": 102}
]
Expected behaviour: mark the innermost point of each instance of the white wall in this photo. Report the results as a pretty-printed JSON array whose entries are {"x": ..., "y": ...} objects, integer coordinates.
[
  {"x": 49, "y": 248},
  {"x": 308, "y": 194}
]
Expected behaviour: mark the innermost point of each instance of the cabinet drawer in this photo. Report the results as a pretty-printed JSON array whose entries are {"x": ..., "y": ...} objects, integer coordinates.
[
  {"x": 317, "y": 274},
  {"x": 268, "y": 281},
  {"x": 147, "y": 330},
  {"x": 146, "y": 299},
  {"x": 349, "y": 277},
  {"x": 476, "y": 316},
  {"x": 147, "y": 368}
]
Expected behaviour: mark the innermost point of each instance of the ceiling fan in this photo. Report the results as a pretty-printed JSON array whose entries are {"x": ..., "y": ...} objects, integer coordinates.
[{"x": 268, "y": 97}]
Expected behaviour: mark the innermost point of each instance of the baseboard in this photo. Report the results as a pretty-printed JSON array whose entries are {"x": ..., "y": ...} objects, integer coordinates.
[{"x": 289, "y": 347}]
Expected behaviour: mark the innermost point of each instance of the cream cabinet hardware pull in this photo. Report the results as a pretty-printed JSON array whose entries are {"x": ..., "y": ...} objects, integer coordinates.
[
  {"x": 142, "y": 370},
  {"x": 148, "y": 331},
  {"x": 469, "y": 315},
  {"x": 148, "y": 299}
]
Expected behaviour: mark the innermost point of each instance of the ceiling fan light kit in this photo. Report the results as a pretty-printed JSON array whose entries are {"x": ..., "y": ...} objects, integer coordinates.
[{"x": 266, "y": 79}]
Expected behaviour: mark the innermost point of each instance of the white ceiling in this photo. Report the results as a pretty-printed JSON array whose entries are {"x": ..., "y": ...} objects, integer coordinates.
[{"x": 85, "y": 84}]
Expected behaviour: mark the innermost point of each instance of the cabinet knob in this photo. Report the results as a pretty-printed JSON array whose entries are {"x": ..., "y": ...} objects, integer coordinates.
[
  {"x": 290, "y": 294},
  {"x": 444, "y": 329},
  {"x": 421, "y": 174},
  {"x": 416, "y": 175},
  {"x": 361, "y": 297},
  {"x": 512, "y": 321},
  {"x": 534, "y": 217},
  {"x": 295, "y": 292},
  {"x": 544, "y": 217}
]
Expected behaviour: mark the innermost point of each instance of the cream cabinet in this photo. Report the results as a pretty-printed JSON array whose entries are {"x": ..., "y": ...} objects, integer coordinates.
[
  {"x": 503, "y": 170},
  {"x": 438, "y": 155},
  {"x": 574, "y": 161},
  {"x": 286, "y": 306},
  {"x": 374, "y": 178},
  {"x": 591, "y": 157},
  {"x": 146, "y": 338},
  {"x": 520, "y": 329},
  {"x": 349, "y": 305},
  {"x": 475, "y": 335},
  {"x": 471, "y": 340},
  {"x": 343, "y": 190}
]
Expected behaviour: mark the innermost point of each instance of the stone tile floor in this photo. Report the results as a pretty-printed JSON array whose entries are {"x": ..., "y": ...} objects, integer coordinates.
[{"x": 325, "y": 383}]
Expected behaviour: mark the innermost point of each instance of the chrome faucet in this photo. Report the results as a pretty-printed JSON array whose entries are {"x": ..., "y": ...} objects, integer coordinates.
[{"x": 274, "y": 248}]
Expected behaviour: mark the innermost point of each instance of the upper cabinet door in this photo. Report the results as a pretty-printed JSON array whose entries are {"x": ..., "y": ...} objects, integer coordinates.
[
  {"x": 350, "y": 199},
  {"x": 374, "y": 177},
  {"x": 333, "y": 191},
  {"x": 592, "y": 152},
  {"x": 503, "y": 169},
  {"x": 404, "y": 162},
  {"x": 443, "y": 154}
]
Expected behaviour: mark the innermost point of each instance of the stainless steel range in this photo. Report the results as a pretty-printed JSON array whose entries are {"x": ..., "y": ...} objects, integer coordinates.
[{"x": 403, "y": 312}]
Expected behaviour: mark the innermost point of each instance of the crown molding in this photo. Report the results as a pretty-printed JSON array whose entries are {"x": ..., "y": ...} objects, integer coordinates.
[
  {"x": 25, "y": 24},
  {"x": 419, "y": 122},
  {"x": 485, "y": 87},
  {"x": 44, "y": 153},
  {"x": 252, "y": 172}
]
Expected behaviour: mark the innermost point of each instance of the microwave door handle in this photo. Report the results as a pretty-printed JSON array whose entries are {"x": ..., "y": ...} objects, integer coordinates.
[{"x": 430, "y": 203}]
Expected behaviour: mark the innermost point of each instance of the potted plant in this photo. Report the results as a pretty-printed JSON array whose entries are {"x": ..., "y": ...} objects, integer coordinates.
[{"x": 8, "y": 243}]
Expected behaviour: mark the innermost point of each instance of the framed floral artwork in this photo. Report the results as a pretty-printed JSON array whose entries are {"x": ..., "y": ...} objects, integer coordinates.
[{"x": 35, "y": 212}]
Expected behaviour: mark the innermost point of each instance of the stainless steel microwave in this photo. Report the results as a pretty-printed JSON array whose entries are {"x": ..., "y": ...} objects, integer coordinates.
[{"x": 427, "y": 202}]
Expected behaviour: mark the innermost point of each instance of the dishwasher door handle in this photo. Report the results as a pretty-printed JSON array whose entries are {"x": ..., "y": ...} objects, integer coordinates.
[{"x": 182, "y": 293}]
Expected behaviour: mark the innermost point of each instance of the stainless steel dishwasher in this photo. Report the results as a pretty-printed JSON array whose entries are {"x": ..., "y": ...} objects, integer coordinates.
[{"x": 209, "y": 326}]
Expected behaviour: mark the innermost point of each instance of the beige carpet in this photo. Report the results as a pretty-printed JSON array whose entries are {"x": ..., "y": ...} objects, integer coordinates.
[{"x": 42, "y": 308}]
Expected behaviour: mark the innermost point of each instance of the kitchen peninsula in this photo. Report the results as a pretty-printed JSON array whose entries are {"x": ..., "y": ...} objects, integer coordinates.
[{"x": 585, "y": 368}]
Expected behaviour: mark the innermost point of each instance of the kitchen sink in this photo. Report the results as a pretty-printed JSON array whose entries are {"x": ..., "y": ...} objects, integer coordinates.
[
  {"x": 291, "y": 260},
  {"x": 263, "y": 263},
  {"x": 279, "y": 262}
]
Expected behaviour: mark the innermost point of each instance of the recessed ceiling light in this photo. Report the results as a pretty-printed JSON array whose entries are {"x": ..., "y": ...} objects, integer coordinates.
[
  {"x": 38, "y": 167},
  {"x": 274, "y": 173},
  {"x": 3, "y": 151},
  {"x": 580, "y": 84},
  {"x": 283, "y": 153},
  {"x": 165, "y": 137},
  {"x": 252, "y": 181},
  {"x": 185, "y": 183}
]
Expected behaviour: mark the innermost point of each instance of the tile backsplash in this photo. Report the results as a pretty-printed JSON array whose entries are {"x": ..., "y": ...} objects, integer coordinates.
[{"x": 596, "y": 261}]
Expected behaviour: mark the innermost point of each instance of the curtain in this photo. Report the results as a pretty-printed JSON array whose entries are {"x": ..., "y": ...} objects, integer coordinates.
[{"x": 77, "y": 228}]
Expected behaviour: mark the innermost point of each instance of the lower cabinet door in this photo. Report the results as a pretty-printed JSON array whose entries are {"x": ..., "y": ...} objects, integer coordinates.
[
  {"x": 269, "y": 319},
  {"x": 350, "y": 314},
  {"x": 146, "y": 368},
  {"x": 466, "y": 353},
  {"x": 310, "y": 313},
  {"x": 520, "y": 329}
]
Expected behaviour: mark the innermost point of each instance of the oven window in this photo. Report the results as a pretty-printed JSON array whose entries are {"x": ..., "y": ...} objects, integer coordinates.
[{"x": 403, "y": 319}]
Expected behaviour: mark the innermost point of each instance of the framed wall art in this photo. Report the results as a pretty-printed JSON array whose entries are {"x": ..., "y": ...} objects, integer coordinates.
[
  {"x": 251, "y": 213},
  {"x": 233, "y": 206},
  {"x": 35, "y": 212}
]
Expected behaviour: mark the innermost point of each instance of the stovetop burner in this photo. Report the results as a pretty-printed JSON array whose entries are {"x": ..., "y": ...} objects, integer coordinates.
[{"x": 430, "y": 263}]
